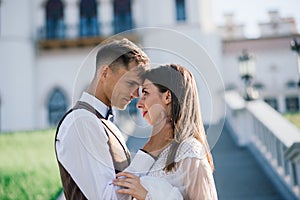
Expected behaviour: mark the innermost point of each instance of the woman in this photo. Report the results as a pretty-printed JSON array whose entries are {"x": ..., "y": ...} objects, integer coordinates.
[{"x": 170, "y": 104}]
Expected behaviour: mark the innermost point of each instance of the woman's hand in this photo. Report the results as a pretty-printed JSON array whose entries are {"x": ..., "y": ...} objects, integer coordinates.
[{"x": 131, "y": 185}]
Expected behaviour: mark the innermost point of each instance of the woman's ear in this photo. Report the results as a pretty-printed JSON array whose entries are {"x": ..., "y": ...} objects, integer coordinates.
[{"x": 168, "y": 97}]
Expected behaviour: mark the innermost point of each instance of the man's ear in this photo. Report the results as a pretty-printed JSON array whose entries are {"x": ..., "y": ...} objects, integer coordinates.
[
  {"x": 102, "y": 71},
  {"x": 167, "y": 97}
]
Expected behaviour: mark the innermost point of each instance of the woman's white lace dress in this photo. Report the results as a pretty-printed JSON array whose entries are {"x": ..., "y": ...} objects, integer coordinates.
[{"x": 193, "y": 176}]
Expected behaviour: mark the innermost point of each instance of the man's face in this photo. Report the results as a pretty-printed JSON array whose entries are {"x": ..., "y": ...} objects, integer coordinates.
[{"x": 124, "y": 86}]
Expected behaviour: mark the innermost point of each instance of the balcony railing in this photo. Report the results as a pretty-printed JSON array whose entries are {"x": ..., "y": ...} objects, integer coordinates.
[
  {"x": 69, "y": 36},
  {"x": 274, "y": 141}
]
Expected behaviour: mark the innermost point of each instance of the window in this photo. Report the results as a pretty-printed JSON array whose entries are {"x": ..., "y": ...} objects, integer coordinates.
[
  {"x": 291, "y": 84},
  {"x": 272, "y": 102},
  {"x": 88, "y": 18},
  {"x": 292, "y": 104},
  {"x": 180, "y": 10},
  {"x": 54, "y": 19},
  {"x": 122, "y": 16},
  {"x": 258, "y": 86},
  {"x": 57, "y": 106}
]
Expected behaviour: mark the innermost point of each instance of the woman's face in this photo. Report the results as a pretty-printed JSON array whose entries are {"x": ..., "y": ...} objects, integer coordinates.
[{"x": 153, "y": 104}]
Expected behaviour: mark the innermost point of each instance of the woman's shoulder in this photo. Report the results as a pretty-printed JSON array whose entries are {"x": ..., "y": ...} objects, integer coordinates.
[{"x": 190, "y": 148}]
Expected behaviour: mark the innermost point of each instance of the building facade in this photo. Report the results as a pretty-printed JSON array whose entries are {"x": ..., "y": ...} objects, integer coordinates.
[
  {"x": 46, "y": 59},
  {"x": 47, "y": 51},
  {"x": 276, "y": 68}
]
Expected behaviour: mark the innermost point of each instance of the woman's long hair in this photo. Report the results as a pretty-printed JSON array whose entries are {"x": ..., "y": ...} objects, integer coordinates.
[{"x": 186, "y": 120}]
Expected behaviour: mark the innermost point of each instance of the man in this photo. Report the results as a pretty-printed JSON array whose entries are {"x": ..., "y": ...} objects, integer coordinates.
[{"x": 89, "y": 148}]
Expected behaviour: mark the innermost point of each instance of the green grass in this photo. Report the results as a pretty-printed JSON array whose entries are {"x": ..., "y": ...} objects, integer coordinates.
[
  {"x": 294, "y": 118},
  {"x": 28, "y": 168}
]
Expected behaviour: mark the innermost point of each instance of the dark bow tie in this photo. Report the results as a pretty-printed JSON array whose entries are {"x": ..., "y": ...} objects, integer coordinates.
[{"x": 109, "y": 115}]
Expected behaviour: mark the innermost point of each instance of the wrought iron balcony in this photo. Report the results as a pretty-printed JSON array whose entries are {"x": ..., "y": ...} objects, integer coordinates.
[{"x": 72, "y": 36}]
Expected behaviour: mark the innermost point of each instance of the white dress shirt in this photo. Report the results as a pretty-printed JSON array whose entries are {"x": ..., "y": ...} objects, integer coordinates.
[{"x": 83, "y": 151}]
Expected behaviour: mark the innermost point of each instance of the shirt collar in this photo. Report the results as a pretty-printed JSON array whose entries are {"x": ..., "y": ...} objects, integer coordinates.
[{"x": 96, "y": 103}]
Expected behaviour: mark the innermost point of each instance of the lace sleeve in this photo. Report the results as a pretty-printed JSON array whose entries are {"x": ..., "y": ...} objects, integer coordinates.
[
  {"x": 198, "y": 179},
  {"x": 159, "y": 189},
  {"x": 148, "y": 196}
]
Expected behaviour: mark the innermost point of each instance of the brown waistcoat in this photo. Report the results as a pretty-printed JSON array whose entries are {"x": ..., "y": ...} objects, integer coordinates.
[{"x": 118, "y": 151}]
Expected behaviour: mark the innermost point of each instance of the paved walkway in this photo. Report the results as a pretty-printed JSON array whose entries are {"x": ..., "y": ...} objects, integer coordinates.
[{"x": 238, "y": 175}]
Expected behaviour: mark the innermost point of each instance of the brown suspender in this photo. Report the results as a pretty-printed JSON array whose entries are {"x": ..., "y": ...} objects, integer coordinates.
[{"x": 71, "y": 190}]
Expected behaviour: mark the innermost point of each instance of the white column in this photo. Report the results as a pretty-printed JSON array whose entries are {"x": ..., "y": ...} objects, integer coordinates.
[
  {"x": 281, "y": 103},
  {"x": 71, "y": 18},
  {"x": 138, "y": 16},
  {"x": 158, "y": 12},
  {"x": 193, "y": 14},
  {"x": 106, "y": 16},
  {"x": 206, "y": 16}
]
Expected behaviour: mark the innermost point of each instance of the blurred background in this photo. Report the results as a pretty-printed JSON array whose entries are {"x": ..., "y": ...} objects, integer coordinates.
[{"x": 244, "y": 55}]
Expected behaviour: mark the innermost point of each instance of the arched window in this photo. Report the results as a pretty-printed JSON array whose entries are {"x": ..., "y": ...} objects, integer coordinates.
[
  {"x": 180, "y": 10},
  {"x": 57, "y": 106},
  {"x": 122, "y": 15},
  {"x": 88, "y": 18},
  {"x": 54, "y": 19}
]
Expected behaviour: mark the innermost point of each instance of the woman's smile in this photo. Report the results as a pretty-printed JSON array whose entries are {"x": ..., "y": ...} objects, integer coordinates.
[{"x": 144, "y": 113}]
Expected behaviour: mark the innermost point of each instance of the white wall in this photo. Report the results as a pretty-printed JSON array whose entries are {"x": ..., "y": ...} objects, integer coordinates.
[
  {"x": 17, "y": 66},
  {"x": 16, "y": 19},
  {"x": 60, "y": 68}
]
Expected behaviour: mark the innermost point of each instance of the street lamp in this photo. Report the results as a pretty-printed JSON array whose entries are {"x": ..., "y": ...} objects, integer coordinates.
[
  {"x": 247, "y": 71},
  {"x": 296, "y": 47}
]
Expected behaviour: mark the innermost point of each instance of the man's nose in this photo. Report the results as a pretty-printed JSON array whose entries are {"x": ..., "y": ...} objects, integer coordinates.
[
  {"x": 140, "y": 103},
  {"x": 135, "y": 93}
]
